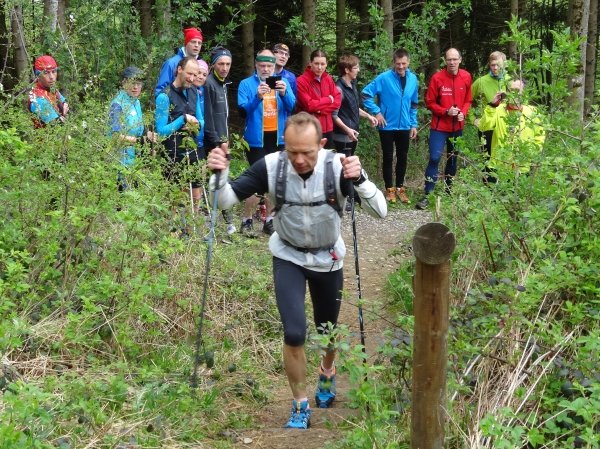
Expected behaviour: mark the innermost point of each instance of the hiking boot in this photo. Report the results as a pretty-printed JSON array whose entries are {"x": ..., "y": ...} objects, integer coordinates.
[
  {"x": 300, "y": 416},
  {"x": 390, "y": 195},
  {"x": 268, "y": 227},
  {"x": 247, "y": 228},
  {"x": 401, "y": 194},
  {"x": 325, "y": 394},
  {"x": 423, "y": 203}
]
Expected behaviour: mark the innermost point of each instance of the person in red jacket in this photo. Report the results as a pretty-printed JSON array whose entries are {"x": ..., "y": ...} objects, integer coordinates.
[
  {"x": 318, "y": 95},
  {"x": 448, "y": 98}
]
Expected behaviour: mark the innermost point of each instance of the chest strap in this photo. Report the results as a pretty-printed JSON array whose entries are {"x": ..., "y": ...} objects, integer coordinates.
[{"x": 331, "y": 197}]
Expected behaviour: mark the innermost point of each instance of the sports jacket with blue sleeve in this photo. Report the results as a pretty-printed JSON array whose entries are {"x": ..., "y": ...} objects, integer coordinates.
[
  {"x": 250, "y": 107},
  {"x": 398, "y": 106}
]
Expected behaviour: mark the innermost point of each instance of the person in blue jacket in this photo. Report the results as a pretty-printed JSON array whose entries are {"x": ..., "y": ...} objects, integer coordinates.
[
  {"x": 177, "y": 110},
  {"x": 397, "y": 91},
  {"x": 192, "y": 44},
  {"x": 126, "y": 120},
  {"x": 265, "y": 111},
  {"x": 199, "y": 81}
]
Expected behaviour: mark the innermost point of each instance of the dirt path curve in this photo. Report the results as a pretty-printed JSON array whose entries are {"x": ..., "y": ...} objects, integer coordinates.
[{"x": 377, "y": 240}]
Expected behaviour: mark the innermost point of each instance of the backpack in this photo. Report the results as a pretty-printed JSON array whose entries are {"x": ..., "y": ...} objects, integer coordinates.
[{"x": 330, "y": 188}]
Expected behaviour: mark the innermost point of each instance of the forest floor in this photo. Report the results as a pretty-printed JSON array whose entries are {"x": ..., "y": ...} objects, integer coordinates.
[{"x": 382, "y": 246}]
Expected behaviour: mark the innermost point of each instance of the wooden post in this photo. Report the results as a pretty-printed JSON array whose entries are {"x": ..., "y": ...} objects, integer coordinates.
[{"x": 433, "y": 244}]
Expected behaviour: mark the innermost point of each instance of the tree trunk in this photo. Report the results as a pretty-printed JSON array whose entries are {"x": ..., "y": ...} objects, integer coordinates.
[
  {"x": 512, "y": 45},
  {"x": 365, "y": 20},
  {"x": 6, "y": 60},
  {"x": 248, "y": 38},
  {"x": 308, "y": 17},
  {"x": 51, "y": 13},
  {"x": 579, "y": 14},
  {"x": 457, "y": 29},
  {"x": 145, "y": 12},
  {"x": 18, "y": 36},
  {"x": 340, "y": 27},
  {"x": 63, "y": 5},
  {"x": 163, "y": 18},
  {"x": 434, "y": 56},
  {"x": 388, "y": 18},
  {"x": 591, "y": 56}
]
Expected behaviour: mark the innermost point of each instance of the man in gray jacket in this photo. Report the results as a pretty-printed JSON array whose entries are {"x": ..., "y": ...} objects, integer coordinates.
[{"x": 306, "y": 244}]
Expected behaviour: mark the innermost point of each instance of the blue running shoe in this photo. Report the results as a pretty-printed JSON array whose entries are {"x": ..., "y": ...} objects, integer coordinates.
[
  {"x": 325, "y": 394},
  {"x": 300, "y": 416}
]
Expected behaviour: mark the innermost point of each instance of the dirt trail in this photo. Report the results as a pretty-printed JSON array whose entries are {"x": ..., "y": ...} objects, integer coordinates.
[{"x": 377, "y": 239}]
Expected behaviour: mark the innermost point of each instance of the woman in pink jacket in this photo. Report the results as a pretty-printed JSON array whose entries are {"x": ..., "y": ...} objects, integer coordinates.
[{"x": 318, "y": 95}]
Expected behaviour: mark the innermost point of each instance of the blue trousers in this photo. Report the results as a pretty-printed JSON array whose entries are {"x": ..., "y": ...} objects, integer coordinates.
[{"x": 437, "y": 140}]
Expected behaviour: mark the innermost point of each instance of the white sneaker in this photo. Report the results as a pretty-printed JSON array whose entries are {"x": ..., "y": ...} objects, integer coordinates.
[{"x": 230, "y": 228}]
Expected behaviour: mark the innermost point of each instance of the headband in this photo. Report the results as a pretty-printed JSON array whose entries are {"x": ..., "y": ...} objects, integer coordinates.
[{"x": 265, "y": 58}]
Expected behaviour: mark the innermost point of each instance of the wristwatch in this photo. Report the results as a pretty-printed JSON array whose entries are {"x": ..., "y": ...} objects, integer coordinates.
[{"x": 362, "y": 178}]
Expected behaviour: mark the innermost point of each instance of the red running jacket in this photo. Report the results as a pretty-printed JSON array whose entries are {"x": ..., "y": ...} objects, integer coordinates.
[
  {"x": 445, "y": 91},
  {"x": 313, "y": 97}
]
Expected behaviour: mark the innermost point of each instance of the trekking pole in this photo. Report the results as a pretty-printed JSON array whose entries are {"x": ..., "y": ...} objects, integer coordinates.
[
  {"x": 187, "y": 155},
  {"x": 356, "y": 267},
  {"x": 211, "y": 235}
]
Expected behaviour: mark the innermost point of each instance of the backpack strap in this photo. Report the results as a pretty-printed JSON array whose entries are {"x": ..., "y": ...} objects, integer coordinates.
[
  {"x": 280, "y": 181},
  {"x": 331, "y": 197},
  {"x": 330, "y": 188}
]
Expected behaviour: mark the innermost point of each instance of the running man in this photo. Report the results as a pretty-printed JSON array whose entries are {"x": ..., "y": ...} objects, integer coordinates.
[{"x": 306, "y": 244}]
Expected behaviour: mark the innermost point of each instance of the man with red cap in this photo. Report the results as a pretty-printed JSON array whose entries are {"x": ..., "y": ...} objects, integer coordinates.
[
  {"x": 192, "y": 44},
  {"x": 45, "y": 101}
]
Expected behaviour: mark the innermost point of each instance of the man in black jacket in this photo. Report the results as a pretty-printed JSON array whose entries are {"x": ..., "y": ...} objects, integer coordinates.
[{"x": 216, "y": 109}]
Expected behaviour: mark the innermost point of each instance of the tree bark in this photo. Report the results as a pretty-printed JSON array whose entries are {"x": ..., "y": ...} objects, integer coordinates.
[
  {"x": 434, "y": 56},
  {"x": 51, "y": 13},
  {"x": 365, "y": 20},
  {"x": 6, "y": 60},
  {"x": 63, "y": 5},
  {"x": 163, "y": 18},
  {"x": 579, "y": 12},
  {"x": 512, "y": 45},
  {"x": 591, "y": 56},
  {"x": 248, "y": 38},
  {"x": 145, "y": 12},
  {"x": 340, "y": 27},
  {"x": 308, "y": 17},
  {"x": 388, "y": 18},
  {"x": 21, "y": 57}
]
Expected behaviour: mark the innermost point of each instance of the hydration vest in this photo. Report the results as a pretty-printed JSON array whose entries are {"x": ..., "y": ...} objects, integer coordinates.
[{"x": 330, "y": 189}]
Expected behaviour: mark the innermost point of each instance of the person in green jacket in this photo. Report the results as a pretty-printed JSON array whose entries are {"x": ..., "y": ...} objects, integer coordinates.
[
  {"x": 483, "y": 91},
  {"x": 512, "y": 121}
]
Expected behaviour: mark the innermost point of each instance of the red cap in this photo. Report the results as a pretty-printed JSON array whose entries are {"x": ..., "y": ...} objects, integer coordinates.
[
  {"x": 191, "y": 33},
  {"x": 44, "y": 63}
]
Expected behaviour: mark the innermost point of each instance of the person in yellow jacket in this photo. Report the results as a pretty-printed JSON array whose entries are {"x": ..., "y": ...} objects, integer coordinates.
[{"x": 512, "y": 120}]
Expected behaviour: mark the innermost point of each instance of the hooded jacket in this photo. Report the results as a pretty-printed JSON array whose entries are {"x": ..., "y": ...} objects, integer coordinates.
[
  {"x": 167, "y": 71},
  {"x": 313, "y": 97},
  {"x": 445, "y": 91},
  {"x": 125, "y": 117},
  {"x": 250, "y": 108},
  {"x": 398, "y": 106}
]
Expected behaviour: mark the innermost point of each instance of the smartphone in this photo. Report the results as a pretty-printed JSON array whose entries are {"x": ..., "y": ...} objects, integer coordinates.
[
  {"x": 272, "y": 80},
  {"x": 503, "y": 96}
]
